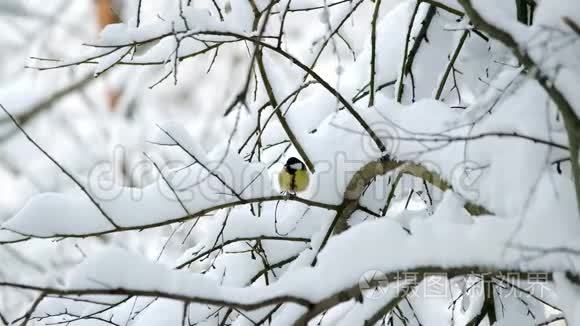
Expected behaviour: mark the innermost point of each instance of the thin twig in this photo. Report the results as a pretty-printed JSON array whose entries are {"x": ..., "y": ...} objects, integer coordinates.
[
  {"x": 68, "y": 174},
  {"x": 199, "y": 213},
  {"x": 215, "y": 247},
  {"x": 32, "y": 308},
  {"x": 279, "y": 115},
  {"x": 451, "y": 63},
  {"x": 139, "y": 12},
  {"x": 373, "y": 52},
  {"x": 210, "y": 171},
  {"x": 407, "y": 39}
]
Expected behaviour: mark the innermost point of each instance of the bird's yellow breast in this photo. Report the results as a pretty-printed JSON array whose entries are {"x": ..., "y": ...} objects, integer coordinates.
[{"x": 293, "y": 182}]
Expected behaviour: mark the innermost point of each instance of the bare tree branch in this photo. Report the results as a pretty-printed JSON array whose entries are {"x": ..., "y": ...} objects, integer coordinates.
[
  {"x": 314, "y": 308},
  {"x": 278, "y": 112},
  {"x": 373, "y": 51},
  {"x": 199, "y": 213},
  {"x": 451, "y": 64},
  {"x": 68, "y": 174},
  {"x": 401, "y": 78},
  {"x": 403, "y": 293}
]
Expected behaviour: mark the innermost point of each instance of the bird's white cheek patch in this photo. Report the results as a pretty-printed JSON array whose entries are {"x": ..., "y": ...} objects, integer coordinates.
[{"x": 296, "y": 166}]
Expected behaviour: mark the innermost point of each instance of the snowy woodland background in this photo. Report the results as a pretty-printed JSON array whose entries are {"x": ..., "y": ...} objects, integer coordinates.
[{"x": 140, "y": 143}]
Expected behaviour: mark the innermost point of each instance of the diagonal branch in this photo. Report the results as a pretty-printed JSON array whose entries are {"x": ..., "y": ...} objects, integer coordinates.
[
  {"x": 488, "y": 306},
  {"x": 168, "y": 184},
  {"x": 328, "y": 87},
  {"x": 403, "y": 292},
  {"x": 405, "y": 54},
  {"x": 421, "y": 36},
  {"x": 319, "y": 79},
  {"x": 279, "y": 115},
  {"x": 68, "y": 174},
  {"x": 568, "y": 21},
  {"x": 210, "y": 171},
  {"x": 451, "y": 64},
  {"x": 30, "y": 311},
  {"x": 23, "y": 117}
]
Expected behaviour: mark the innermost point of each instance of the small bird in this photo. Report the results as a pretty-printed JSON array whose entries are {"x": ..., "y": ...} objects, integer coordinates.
[{"x": 294, "y": 176}]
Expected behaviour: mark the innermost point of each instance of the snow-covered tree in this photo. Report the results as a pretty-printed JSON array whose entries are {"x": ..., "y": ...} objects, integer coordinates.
[{"x": 441, "y": 139}]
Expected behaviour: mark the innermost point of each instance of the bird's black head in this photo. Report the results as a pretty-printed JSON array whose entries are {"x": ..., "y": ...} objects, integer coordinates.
[{"x": 293, "y": 164}]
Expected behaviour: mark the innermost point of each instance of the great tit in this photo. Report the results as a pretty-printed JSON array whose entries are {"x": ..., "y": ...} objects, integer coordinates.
[{"x": 294, "y": 176}]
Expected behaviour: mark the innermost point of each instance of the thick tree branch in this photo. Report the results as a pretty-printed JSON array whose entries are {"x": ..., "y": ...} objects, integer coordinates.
[
  {"x": 412, "y": 275},
  {"x": 347, "y": 292},
  {"x": 369, "y": 172}
]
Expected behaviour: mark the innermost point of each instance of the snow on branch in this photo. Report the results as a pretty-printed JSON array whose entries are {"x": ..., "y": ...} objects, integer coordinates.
[
  {"x": 111, "y": 272},
  {"x": 555, "y": 84}
]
